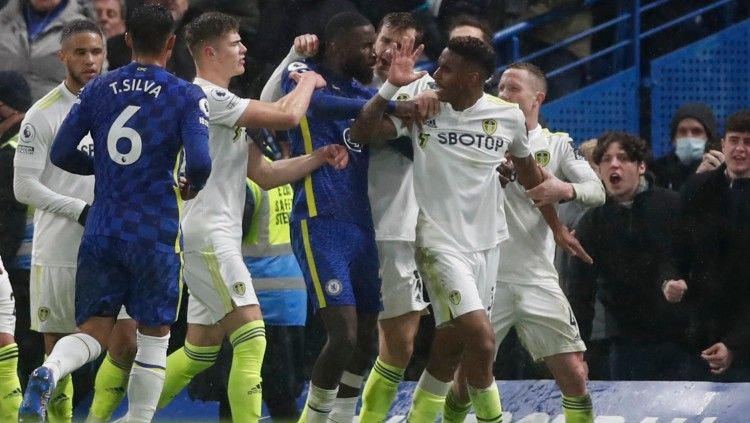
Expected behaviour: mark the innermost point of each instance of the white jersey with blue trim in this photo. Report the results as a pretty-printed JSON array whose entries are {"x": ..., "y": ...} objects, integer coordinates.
[
  {"x": 455, "y": 181},
  {"x": 528, "y": 255}
]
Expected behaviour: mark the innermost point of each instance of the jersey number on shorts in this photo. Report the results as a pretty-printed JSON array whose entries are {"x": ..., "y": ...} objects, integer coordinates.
[{"x": 119, "y": 131}]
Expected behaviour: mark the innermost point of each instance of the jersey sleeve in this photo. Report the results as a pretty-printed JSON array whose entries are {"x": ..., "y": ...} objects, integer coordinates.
[
  {"x": 408, "y": 92},
  {"x": 34, "y": 140},
  {"x": 226, "y": 108},
  {"x": 64, "y": 152},
  {"x": 576, "y": 169},
  {"x": 287, "y": 83},
  {"x": 519, "y": 143},
  {"x": 194, "y": 127},
  {"x": 272, "y": 91}
]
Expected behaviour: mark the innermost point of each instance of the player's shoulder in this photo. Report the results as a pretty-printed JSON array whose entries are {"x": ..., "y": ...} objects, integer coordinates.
[
  {"x": 498, "y": 102},
  {"x": 38, "y": 120},
  {"x": 54, "y": 97},
  {"x": 504, "y": 111},
  {"x": 218, "y": 98},
  {"x": 561, "y": 139}
]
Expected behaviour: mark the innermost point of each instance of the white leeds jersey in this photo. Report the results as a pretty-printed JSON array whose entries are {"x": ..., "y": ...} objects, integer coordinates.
[
  {"x": 391, "y": 191},
  {"x": 56, "y": 238},
  {"x": 527, "y": 257},
  {"x": 214, "y": 217},
  {"x": 455, "y": 181}
]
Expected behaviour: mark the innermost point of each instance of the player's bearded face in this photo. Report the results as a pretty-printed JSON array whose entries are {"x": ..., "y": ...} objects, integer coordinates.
[
  {"x": 385, "y": 44},
  {"x": 450, "y": 77},
  {"x": 83, "y": 56},
  {"x": 360, "y": 54}
]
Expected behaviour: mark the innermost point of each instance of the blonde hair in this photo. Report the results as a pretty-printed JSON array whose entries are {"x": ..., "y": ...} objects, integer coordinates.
[{"x": 587, "y": 148}]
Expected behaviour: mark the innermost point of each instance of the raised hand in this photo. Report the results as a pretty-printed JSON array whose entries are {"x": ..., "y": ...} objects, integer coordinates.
[
  {"x": 401, "y": 72},
  {"x": 711, "y": 160},
  {"x": 307, "y": 45}
]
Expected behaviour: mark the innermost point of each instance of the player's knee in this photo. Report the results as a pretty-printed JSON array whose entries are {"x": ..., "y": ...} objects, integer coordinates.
[
  {"x": 483, "y": 347},
  {"x": 122, "y": 345},
  {"x": 342, "y": 343}
]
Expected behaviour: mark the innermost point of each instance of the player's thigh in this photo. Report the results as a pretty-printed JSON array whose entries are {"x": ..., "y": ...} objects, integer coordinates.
[
  {"x": 154, "y": 296},
  {"x": 52, "y": 299},
  {"x": 365, "y": 271},
  {"x": 503, "y": 313},
  {"x": 324, "y": 249},
  {"x": 453, "y": 282},
  {"x": 101, "y": 280},
  {"x": 218, "y": 281},
  {"x": 401, "y": 283},
  {"x": 7, "y": 305},
  {"x": 546, "y": 325}
]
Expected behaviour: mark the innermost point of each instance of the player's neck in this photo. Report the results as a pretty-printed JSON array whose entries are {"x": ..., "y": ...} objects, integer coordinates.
[
  {"x": 72, "y": 86},
  {"x": 334, "y": 68},
  {"x": 144, "y": 59},
  {"x": 468, "y": 101},
  {"x": 213, "y": 76},
  {"x": 532, "y": 122}
]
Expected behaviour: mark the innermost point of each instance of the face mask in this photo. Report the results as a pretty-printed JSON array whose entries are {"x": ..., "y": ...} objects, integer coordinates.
[{"x": 689, "y": 150}]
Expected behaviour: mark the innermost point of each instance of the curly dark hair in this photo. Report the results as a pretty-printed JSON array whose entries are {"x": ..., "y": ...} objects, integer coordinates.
[{"x": 634, "y": 146}]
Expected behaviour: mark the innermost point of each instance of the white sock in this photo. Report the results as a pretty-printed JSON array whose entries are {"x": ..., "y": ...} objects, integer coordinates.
[
  {"x": 343, "y": 410},
  {"x": 146, "y": 377},
  {"x": 428, "y": 383},
  {"x": 319, "y": 403},
  {"x": 70, "y": 353}
]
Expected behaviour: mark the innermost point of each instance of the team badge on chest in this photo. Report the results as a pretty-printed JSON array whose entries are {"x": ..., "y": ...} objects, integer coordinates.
[{"x": 489, "y": 126}]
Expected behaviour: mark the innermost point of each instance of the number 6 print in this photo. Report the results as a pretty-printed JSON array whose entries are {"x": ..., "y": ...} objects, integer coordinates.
[{"x": 119, "y": 130}]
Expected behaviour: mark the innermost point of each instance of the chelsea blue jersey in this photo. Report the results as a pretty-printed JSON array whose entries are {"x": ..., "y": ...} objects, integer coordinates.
[
  {"x": 140, "y": 117},
  {"x": 340, "y": 194}
]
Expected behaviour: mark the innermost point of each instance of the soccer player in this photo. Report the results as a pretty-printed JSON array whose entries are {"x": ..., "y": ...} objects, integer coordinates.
[
  {"x": 455, "y": 156},
  {"x": 331, "y": 225},
  {"x": 223, "y": 301},
  {"x": 10, "y": 386},
  {"x": 61, "y": 202},
  {"x": 140, "y": 118},
  {"x": 394, "y": 213},
  {"x": 527, "y": 293}
]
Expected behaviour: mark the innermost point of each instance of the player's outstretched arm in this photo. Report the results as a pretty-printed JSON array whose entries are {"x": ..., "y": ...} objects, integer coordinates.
[
  {"x": 529, "y": 175},
  {"x": 285, "y": 113},
  {"x": 269, "y": 175}
]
